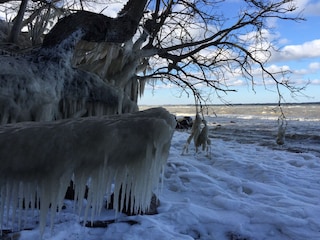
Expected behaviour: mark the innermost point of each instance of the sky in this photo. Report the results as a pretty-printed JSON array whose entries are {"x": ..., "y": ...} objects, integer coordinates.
[{"x": 299, "y": 43}]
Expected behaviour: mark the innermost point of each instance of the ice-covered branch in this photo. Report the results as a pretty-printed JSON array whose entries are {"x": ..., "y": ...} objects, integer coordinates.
[{"x": 43, "y": 84}]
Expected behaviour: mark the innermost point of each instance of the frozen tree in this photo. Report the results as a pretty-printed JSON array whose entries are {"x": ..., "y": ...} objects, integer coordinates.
[
  {"x": 43, "y": 84},
  {"x": 188, "y": 43},
  {"x": 89, "y": 64},
  {"x": 39, "y": 159}
]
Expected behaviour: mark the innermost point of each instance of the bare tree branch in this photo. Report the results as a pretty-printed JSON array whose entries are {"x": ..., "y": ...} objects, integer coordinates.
[
  {"x": 176, "y": 49},
  {"x": 192, "y": 44},
  {"x": 17, "y": 25}
]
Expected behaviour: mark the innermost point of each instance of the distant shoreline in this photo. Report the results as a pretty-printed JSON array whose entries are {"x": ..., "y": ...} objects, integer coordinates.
[
  {"x": 233, "y": 104},
  {"x": 310, "y": 110}
]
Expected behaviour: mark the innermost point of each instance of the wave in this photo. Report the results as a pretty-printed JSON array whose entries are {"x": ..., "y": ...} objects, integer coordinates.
[
  {"x": 293, "y": 112},
  {"x": 300, "y": 136},
  {"x": 262, "y": 117}
]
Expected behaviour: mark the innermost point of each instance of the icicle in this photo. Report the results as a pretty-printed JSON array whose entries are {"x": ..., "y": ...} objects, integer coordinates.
[
  {"x": 142, "y": 85},
  {"x": 200, "y": 136},
  {"x": 282, "y": 125},
  {"x": 55, "y": 92},
  {"x": 195, "y": 131}
]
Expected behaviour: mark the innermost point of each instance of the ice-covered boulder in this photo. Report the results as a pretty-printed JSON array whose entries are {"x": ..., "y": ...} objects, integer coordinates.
[{"x": 38, "y": 160}]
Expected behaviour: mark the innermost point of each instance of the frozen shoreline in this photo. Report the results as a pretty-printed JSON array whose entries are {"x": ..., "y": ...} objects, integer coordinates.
[
  {"x": 244, "y": 191},
  {"x": 257, "y": 124},
  {"x": 249, "y": 188}
]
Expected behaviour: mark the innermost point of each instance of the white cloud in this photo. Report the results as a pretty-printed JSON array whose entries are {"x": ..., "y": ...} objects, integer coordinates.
[
  {"x": 309, "y": 49},
  {"x": 314, "y": 66},
  {"x": 303, "y": 71},
  {"x": 264, "y": 36},
  {"x": 296, "y": 76},
  {"x": 301, "y": 4},
  {"x": 238, "y": 82},
  {"x": 275, "y": 69},
  {"x": 309, "y": 7},
  {"x": 315, "y": 81}
]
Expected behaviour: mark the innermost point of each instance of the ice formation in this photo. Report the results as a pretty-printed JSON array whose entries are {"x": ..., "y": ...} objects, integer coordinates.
[
  {"x": 38, "y": 160},
  {"x": 51, "y": 82},
  {"x": 282, "y": 125},
  {"x": 43, "y": 85},
  {"x": 195, "y": 132},
  {"x": 199, "y": 134},
  {"x": 203, "y": 138}
]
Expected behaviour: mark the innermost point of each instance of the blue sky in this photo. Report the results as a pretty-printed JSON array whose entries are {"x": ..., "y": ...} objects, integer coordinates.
[{"x": 299, "y": 43}]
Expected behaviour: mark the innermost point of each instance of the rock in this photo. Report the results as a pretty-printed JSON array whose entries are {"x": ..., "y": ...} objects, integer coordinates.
[
  {"x": 10, "y": 235},
  {"x": 184, "y": 123},
  {"x": 106, "y": 223},
  {"x": 236, "y": 236},
  {"x": 70, "y": 192},
  {"x": 151, "y": 211}
]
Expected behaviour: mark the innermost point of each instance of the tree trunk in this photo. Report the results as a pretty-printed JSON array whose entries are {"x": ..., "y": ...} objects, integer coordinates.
[
  {"x": 17, "y": 25},
  {"x": 98, "y": 27}
]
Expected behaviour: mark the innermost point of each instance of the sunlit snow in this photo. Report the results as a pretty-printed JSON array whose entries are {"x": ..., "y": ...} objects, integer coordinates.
[{"x": 247, "y": 189}]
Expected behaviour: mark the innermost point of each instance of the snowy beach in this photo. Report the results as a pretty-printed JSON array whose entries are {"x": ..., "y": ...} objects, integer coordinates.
[{"x": 248, "y": 188}]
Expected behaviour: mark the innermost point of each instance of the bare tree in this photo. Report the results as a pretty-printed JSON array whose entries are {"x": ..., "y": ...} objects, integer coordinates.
[
  {"x": 202, "y": 45},
  {"x": 193, "y": 44}
]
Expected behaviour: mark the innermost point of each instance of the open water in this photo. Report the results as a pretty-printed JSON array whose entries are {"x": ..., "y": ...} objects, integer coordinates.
[{"x": 258, "y": 124}]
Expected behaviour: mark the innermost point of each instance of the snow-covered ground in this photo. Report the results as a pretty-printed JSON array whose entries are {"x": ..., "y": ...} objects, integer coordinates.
[{"x": 249, "y": 188}]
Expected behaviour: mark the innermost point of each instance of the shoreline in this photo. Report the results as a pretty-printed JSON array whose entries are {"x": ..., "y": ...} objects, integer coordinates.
[
  {"x": 291, "y": 111},
  {"x": 230, "y": 105}
]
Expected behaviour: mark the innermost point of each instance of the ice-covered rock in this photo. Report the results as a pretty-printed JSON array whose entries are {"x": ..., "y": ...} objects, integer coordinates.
[{"x": 38, "y": 160}]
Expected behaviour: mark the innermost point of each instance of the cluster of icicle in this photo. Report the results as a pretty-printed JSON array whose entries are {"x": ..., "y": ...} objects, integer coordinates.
[
  {"x": 38, "y": 160},
  {"x": 200, "y": 136},
  {"x": 44, "y": 85},
  {"x": 124, "y": 153},
  {"x": 117, "y": 64}
]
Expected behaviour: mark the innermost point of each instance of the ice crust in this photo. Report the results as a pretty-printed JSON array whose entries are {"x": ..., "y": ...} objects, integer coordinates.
[{"x": 38, "y": 160}]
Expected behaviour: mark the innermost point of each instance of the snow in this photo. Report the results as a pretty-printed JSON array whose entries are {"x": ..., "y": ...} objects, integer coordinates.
[{"x": 247, "y": 189}]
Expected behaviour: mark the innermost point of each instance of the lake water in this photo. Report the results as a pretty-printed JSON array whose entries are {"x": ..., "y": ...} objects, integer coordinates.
[{"x": 258, "y": 124}]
